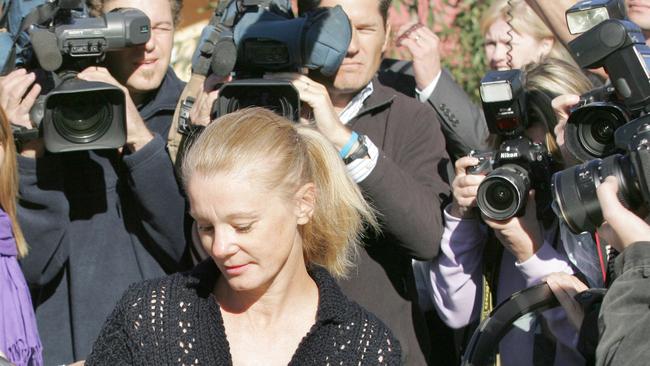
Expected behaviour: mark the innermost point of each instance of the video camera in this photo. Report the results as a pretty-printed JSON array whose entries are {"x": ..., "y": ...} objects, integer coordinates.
[
  {"x": 574, "y": 189},
  {"x": 74, "y": 114},
  {"x": 619, "y": 46},
  {"x": 251, "y": 37},
  {"x": 519, "y": 164}
]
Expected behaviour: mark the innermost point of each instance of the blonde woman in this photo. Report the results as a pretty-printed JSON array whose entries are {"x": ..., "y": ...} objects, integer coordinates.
[
  {"x": 279, "y": 217},
  {"x": 515, "y": 36},
  {"x": 19, "y": 340}
]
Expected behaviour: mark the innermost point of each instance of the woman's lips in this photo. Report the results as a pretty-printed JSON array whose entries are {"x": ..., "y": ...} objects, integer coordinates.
[{"x": 235, "y": 270}]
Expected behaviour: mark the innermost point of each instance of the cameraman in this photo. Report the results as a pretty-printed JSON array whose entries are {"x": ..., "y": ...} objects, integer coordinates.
[
  {"x": 98, "y": 221},
  {"x": 395, "y": 162},
  {"x": 624, "y": 318}
]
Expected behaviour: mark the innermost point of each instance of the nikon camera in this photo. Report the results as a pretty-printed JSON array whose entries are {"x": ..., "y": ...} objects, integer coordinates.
[
  {"x": 519, "y": 164},
  {"x": 618, "y": 45},
  {"x": 574, "y": 189},
  {"x": 73, "y": 114}
]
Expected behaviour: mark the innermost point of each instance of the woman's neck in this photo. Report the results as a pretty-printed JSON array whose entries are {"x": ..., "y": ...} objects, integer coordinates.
[{"x": 292, "y": 288}]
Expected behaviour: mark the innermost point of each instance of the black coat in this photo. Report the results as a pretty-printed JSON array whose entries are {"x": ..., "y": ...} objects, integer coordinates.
[
  {"x": 97, "y": 222},
  {"x": 407, "y": 188}
]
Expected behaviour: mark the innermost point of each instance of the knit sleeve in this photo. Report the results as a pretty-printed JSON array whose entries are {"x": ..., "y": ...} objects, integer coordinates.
[
  {"x": 379, "y": 345},
  {"x": 112, "y": 345}
]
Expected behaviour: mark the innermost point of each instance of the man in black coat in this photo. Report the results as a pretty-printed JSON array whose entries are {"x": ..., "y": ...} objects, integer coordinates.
[
  {"x": 98, "y": 221},
  {"x": 394, "y": 149}
]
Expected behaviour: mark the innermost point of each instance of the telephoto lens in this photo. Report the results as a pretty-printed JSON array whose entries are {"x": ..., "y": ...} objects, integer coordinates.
[
  {"x": 574, "y": 191},
  {"x": 503, "y": 192}
]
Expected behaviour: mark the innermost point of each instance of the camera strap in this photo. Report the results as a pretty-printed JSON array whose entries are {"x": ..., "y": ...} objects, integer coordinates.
[{"x": 181, "y": 124}]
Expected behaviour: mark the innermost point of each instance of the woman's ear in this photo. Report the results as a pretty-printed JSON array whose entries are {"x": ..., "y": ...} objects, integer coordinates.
[
  {"x": 305, "y": 199},
  {"x": 546, "y": 46}
]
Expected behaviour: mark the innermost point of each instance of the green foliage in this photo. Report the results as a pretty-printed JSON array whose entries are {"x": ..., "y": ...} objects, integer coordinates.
[{"x": 467, "y": 62}]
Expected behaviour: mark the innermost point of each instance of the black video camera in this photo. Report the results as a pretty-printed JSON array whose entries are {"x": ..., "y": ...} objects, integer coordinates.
[
  {"x": 618, "y": 46},
  {"x": 73, "y": 114},
  {"x": 251, "y": 37},
  {"x": 574, "y": 189},
  {"x": 519, "y": 164}
]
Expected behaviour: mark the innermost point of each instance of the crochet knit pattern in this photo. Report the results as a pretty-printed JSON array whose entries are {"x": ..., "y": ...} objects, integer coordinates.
[{"x": 177, "y": 321}]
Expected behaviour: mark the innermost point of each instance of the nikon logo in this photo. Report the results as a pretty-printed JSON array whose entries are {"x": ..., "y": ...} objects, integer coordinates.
[{"x": 509, "y": 155}]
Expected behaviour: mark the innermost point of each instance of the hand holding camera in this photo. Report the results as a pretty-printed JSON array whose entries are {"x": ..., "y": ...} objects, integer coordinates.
[
  {"x": 464, "y": 188},
  {"x": 622, "y": 227},
  {"x": 137, "y": 133}
]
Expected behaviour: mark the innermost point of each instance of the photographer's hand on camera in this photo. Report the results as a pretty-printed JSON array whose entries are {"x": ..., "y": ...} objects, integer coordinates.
[
  {"x": 465, "y": 188},
  {"x": 137, "y": 133},
  {"x": 622, "y": 227},
  {"x": 18, "y": 92},
  {"x": 424, "y": 47},
  {"x": 202, "y": 107},
  {"x": 565, "y": 287},
  {"x": 521, "y": 236},
  {"x": 316, "y": 96},
  {"x": 562, "y": 106}
]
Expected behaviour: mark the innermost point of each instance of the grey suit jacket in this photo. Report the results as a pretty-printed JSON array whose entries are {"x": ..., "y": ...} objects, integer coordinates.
[{"x": 462, "y": 122}]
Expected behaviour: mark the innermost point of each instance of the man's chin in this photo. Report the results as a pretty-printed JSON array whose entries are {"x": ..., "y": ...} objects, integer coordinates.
[{"x": 145, "y": 81}]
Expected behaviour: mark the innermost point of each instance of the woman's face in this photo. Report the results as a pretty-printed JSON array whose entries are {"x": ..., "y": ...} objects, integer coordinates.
[
  {"x": 251, "y": 233},
  {"x": 525, "y": 48}
]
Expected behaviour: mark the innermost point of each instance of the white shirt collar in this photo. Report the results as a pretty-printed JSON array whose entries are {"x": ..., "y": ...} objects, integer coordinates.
[{"x": 352, "y": 109}]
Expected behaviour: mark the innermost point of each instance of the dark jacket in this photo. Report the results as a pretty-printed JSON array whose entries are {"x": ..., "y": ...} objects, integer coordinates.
[
  {"x": 407, "y": 189},
  {"x": 97, "y": 222},
  {"x": 624, "y": 320},
  {"x": 462, "y": 121},
  {"x": 177, "y": 321}
]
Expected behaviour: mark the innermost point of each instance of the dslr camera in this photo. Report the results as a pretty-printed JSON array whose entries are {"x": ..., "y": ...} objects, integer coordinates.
[
  {"x": 247, "y": 38},
  {"x": 618, "y": 45},
  {"x": 519, "y": 164},
  {"x": 73, "y": 114},
  {"x": 574, "y": 189}
]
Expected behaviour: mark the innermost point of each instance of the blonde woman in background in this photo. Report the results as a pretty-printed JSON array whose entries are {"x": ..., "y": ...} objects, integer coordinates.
[{"x": 515, "y": 36}]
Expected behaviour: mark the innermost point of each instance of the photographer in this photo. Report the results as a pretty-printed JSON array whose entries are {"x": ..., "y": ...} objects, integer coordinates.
[
  {"x": 514, "y": 36},
  {"x": 485, "y": 262},
  {"x": 623, "y": 320},
  {"x": 395, "y": 162},
  {"x": 553, "y": 13},
  {"x": 97, "y": 221}
]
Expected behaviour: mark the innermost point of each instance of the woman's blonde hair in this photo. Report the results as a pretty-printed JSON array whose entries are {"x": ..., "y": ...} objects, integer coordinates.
[
  {"x": 523, "y": 20},
  {"x": 9, "y": 182},
  {"x": 546, "y": 80},
  {"x": 286, "y": 156}
]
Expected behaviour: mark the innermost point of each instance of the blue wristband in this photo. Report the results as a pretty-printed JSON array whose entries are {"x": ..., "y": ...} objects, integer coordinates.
[{"x": 346, "y": 149}]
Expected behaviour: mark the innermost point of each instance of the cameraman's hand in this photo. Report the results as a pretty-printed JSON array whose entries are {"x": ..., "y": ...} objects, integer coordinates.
[
  {"x": 18, "y": 92},
  {"x": 424, "y": 47},
  {"x": 464, "y": 188},
  {"x": 137, "y": 133},
  {"x": 200, "y": 112},
  {"x": 565, "y": 287},
  {"x": 562, "y": 106},
  {"x": 622, "y": 227},
  {"x": 521, "y": 236},
  {"x": 315, "y": 95}
]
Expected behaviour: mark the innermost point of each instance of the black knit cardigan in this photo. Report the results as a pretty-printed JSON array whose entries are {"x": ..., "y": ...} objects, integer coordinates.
[{"x": 177, "y": 321}]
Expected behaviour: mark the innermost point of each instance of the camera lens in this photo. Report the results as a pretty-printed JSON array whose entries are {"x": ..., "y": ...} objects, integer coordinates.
[
  {"x": 503, "y": 192},
  {"x": 590, "y": 130},
  {"x": 82, "y": 117},
  {"x": 574, "y": 191}
]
